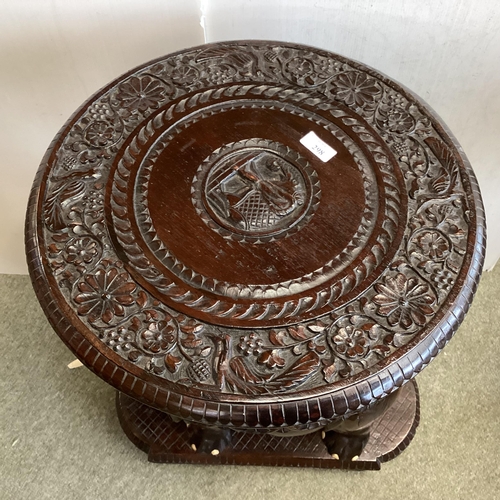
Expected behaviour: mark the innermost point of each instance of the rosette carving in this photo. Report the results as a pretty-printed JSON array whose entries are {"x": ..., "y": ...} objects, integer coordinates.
[{"x": 106, "y": 264}]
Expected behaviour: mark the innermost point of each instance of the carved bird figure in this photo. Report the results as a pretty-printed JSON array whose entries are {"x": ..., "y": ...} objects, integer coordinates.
[
  {"x": 235, "y": 373},
  {"x": 67, "y": 188}
]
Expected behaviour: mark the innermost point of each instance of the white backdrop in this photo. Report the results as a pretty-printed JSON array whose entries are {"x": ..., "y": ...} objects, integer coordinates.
[
  {"x": 53, "y": 55},
  {"x": 56, "y": 53},
  {"x": 447, "y": 51}
]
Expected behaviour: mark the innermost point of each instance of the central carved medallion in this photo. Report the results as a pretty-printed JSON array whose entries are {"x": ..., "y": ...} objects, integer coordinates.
[
  {"x": 255, "y": 190},
  {"x": 271, "y": 195}
]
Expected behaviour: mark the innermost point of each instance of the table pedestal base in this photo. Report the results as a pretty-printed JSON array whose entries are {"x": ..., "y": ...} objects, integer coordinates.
[{"x": 167, "y": 441}]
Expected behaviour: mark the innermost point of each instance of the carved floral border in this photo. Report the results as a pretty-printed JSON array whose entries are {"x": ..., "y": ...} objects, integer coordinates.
[{"x": 317, "y": 353}]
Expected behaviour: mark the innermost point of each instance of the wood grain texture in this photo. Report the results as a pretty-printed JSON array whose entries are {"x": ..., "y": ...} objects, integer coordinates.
[{"x": 195, "y": 256}]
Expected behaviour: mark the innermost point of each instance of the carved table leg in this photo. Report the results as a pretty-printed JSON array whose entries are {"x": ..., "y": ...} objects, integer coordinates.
[
  {"x": 210, "y": 440},
  {"x": 388, "y": 429},
  {"x": 345, "y": 440}
]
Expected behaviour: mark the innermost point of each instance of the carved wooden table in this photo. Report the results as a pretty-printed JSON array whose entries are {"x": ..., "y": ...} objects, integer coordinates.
[{"x": 259, "y": 245}]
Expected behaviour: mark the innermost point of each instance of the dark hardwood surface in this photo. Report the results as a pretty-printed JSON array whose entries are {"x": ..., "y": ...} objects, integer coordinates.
[
  {"x": 166, "y": 441},
  {"x": 193, "y": 253}
]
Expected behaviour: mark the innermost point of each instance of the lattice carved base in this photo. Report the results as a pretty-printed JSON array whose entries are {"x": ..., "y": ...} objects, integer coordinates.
[{"x": 167, "y": 441}]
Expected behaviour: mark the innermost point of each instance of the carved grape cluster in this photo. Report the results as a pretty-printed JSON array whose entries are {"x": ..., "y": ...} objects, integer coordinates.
[{"x": 358, "y": 335}]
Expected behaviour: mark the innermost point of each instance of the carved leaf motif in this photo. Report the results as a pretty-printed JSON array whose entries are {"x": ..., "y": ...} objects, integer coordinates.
[
  {"x": 54, "y": 213},
  {"x": 245, "y": 380},
  {"x": 205, "y": 351},
  {"x": 251, "y": 383},
  {"x": 440, "y": 184},
  {"x": 298, "y": 332},
  {"x": 241, "y": 58},
  {"x": 448, "y": 177},
  {"x": 172, "y": 362},
  {"x": 320, "y": 349},
  {"x": 142, "y": 299},
  {"x": 151, "y": 314},
  {"x": 191, "y": 341},
  {"x": 368, "y": 326},
  {"x": 272, "y": 359},
  {"x": 277, "y": 337},
  {"x": 53, "y": 249},
  {"x": 329, "y": 373},
  {"x": 192, "y": 327},
  {"x": 135, "y": 324},
  {"x": 297, "y": 374},
  {"x": 61, "y": 237},
  {"x": 414, "y": 188},
  {"x": 239, "y": 368},
  {"x": 316, "y": 328},
  {"x": 441, "y": 151},
  {"x": 211, "y": 53}
]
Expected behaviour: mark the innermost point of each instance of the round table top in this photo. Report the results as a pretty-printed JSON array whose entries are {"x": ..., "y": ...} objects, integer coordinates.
[{"x": 255, "y": 234}]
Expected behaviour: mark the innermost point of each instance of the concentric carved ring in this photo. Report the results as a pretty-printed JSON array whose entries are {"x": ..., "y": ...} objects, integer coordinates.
[
  {"x": 152, "y": 298},
  {"x": 309, "y": 292}
]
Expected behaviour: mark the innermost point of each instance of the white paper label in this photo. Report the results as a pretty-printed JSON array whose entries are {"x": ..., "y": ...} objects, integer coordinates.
[{"x": 318, "y": 147}]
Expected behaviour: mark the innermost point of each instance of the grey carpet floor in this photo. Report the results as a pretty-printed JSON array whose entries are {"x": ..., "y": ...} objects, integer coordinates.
[{"x": 60, "y": 437}]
